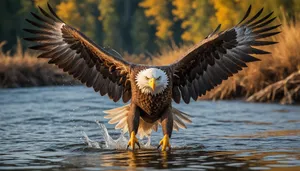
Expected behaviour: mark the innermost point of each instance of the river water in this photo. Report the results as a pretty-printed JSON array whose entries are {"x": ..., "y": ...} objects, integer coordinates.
[{"x": 54, "y": 128}]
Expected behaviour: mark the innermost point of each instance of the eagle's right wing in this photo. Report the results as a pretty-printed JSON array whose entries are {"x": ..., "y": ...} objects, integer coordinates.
[
  {"x": 220, "y": 56},
  {"x": 73, "y": 52}
]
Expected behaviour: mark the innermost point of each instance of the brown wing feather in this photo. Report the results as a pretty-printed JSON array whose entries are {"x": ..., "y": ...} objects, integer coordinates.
[
  {"x": 220, "y": 56},
  {"x": 72, "y": 51}
]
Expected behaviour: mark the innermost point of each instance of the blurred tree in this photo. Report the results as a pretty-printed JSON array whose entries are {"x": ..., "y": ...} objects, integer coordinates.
[
  {"x": 68, "y": 11},
  {"x": 91, "y": 26},
  {"x": 296, "y": 9},
  {"x": 159, "y": 13},
  {"x": 12, "y": 15},
  {"x": 82, "y": 15},
  {"x": 110, "y": 24},
  {"x": 195, "y": 16},
  {"x": 227, "y": 12},
  {"x": 139, "y": 25},
  {"x": 140, "y": 32},
  {"x": 41, "y": 3}
]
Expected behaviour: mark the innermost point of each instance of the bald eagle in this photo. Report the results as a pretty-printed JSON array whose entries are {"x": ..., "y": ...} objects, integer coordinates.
[{"x": 150, "y": 88}]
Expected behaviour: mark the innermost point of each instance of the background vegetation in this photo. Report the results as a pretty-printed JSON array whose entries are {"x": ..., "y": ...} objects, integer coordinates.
[
  {"x": 156, "y": 32},
  {"x": 139, "y": 26}
]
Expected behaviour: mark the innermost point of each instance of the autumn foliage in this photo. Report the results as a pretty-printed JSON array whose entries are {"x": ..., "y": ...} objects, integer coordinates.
[{"x": 140, "y": 26}]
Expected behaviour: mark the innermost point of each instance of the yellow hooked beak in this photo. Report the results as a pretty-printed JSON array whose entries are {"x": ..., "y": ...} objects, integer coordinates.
[{"x": 152, "y": 83}]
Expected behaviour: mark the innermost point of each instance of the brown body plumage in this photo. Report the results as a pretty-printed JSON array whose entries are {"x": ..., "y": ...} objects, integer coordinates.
[
  {"x": 205, "y": 66},
  {"x": 152, "y": 105}
]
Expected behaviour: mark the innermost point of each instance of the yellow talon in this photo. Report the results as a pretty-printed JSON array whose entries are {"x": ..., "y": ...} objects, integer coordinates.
[
  {"x": 165, "y": 142},
  {"x": 132, "y": 141}
]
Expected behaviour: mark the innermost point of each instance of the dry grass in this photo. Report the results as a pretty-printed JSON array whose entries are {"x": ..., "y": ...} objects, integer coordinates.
[{"x": 24, "y": 69}]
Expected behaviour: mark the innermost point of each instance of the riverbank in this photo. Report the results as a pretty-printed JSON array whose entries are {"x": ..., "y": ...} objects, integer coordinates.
[{"x": 23, "y": 69}]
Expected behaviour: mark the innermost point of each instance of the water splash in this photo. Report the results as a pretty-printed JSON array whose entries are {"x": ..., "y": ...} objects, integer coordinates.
[
  {"x": 90, "y": 142},
  {"x": 109, "y": 142}
]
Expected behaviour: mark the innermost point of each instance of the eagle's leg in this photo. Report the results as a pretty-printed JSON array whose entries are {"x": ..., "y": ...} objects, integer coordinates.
[
  {"x": 133, "y": 125},
  {"x": 167, "y": 127}
]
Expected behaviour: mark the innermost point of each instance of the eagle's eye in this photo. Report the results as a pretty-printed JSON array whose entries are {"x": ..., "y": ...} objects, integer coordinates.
[
  {"x": 147, "y": 78},
  {"x": 158, "y": 78}
]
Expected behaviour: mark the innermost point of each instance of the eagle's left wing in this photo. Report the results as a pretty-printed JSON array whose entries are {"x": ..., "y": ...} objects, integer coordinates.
[{"x": 220, "y": 56}]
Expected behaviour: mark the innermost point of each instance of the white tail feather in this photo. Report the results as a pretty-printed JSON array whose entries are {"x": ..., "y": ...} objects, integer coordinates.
[
  {"x": 119, "y": 115},
  {"x": 175, "y": 126},
  {"x": 182, "y": 115},
  {"x": 121, "y": 123}
]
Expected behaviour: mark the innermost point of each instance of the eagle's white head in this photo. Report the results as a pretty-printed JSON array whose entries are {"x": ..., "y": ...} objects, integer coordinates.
[{"x": 152, "y": 81}]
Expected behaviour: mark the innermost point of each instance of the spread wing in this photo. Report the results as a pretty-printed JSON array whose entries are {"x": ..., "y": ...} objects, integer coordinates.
[
  {"x": 73, "y": 52},
  {"x": 220, "y": 56}
]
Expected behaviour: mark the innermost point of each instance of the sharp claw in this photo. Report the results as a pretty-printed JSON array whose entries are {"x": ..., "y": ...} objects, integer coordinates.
[
  {"x": 164, "y": 143},
  {"x": 160, "y": 143},
  {"x": 133, "y": 140},
  {"x": 158, "y": 146}
]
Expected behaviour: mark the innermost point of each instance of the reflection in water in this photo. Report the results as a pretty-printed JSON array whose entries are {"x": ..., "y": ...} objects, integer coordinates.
[
  {"x": 43, "y": 128},
  {"x": 266, "y": 134},
  {"x": 191, "y": 159},
  {"x": 246, "y": 122}
]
